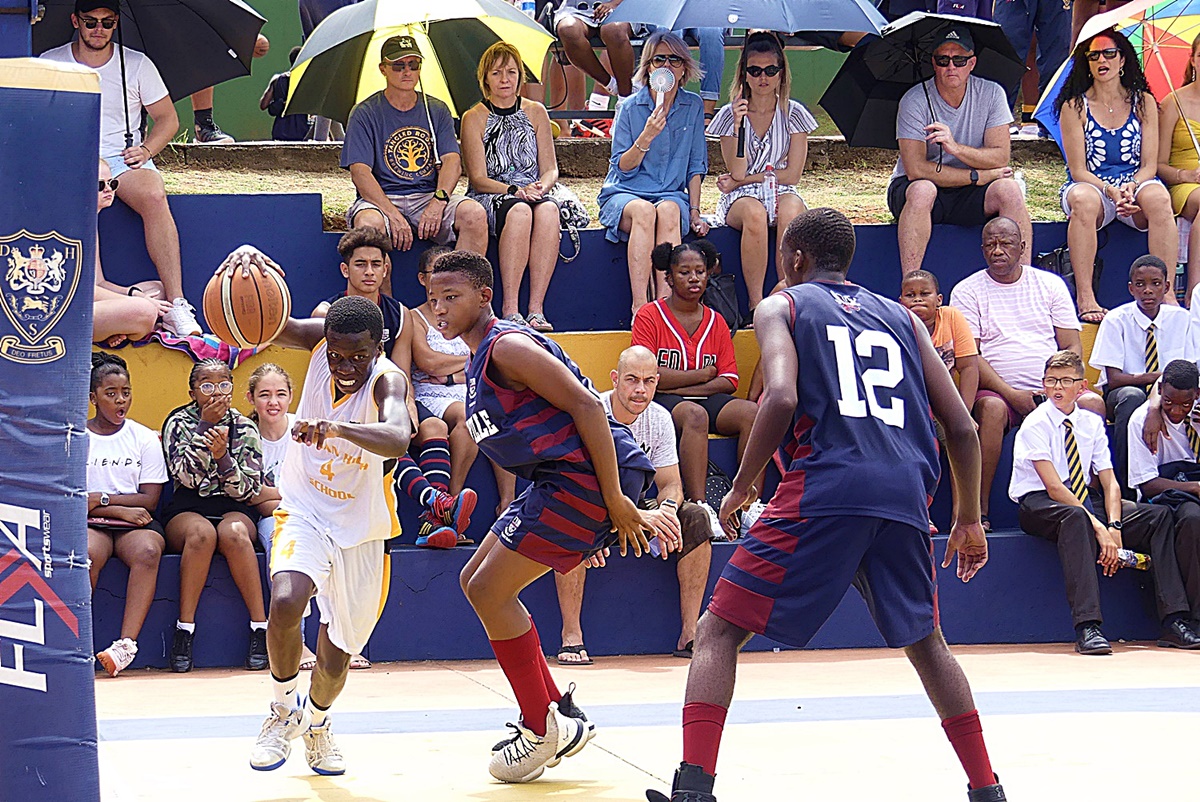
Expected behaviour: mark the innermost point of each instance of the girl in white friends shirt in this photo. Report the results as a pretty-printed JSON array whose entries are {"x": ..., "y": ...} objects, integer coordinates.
[{"x": 125, "y": 475}]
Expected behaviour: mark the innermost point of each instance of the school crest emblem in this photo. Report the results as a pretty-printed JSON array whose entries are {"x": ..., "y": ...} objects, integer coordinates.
[
  {"x": 41, "y": 275},
  {"x": 847, "y": 302}
]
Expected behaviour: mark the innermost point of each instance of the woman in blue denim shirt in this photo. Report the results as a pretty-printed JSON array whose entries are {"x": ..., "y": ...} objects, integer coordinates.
[{"x": 659, "y": 157}]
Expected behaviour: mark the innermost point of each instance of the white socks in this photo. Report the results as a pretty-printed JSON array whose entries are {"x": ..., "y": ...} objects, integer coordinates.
[
  {"x": 186, "y": 627},
  {"x": 285, "y": 691},
  {"x": 318, "y": 715}
]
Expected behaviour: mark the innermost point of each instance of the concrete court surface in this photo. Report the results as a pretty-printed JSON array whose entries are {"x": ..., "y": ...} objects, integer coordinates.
[{"x": 834, "y": 726}]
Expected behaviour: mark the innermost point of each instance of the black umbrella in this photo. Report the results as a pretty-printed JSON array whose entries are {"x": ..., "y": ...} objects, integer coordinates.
[
  {"x": 194, "y": 44},
  {"x": 864, "y": 97}
]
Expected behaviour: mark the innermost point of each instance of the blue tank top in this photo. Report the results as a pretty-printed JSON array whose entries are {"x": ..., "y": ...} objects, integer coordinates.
[
  {"x": 1113, "y": 156},
  {"x": 521, "y": 431},
  {"x": 862, "y": 440}
]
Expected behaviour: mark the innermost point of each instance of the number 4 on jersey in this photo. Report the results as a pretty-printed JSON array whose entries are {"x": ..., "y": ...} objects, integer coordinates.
[
  {"x": 851, "y": 404},
  {"x": 327, "y": 469}
]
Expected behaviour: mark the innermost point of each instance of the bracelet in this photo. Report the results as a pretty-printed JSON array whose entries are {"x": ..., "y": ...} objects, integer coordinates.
[
  {"x": 149, "y": 154},
  {"x": 450, "y": 380},
  {"x": 639, "y": 147},
  {"x": 670, "y": 501},
  {"x": 132, "y": 289}
]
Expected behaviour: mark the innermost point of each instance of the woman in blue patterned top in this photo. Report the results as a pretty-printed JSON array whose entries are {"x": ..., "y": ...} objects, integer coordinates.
[
  {"x": 508, "y": 149},
  {"x": 659, "y": 157},
  {"x": 1109, "y": 125}
]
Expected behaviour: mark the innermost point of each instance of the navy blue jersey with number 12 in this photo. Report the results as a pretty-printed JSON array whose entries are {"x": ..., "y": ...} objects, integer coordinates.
[{"x": 862, "y": 439}]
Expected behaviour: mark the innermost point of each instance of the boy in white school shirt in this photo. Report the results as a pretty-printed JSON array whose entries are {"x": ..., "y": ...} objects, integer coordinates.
[
  {"x": 1059, "y": 450},
  {"x": 1133, "y": 343}
]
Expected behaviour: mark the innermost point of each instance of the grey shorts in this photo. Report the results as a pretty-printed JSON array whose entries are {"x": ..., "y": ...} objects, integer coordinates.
[{"x": 412, "y": 207}]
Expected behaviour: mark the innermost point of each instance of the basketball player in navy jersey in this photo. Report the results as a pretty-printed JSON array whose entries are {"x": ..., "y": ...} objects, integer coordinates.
[
  {"x": 533, "y": 413},
  {"x": 849, "y": 379}
]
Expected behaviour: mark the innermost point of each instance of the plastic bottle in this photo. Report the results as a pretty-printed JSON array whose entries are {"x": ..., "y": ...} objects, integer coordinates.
[
  {"x": 1133, "y": 559},
  {"x": 1185, "y": 231},
  {"x": 770, "y": 194},
  {"x": 529, "y": 7},
  {"x": 1019, "y": 177}
]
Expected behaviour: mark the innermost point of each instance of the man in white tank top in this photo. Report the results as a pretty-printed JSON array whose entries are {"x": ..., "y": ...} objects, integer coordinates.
[{"x": 337, "y": 509}]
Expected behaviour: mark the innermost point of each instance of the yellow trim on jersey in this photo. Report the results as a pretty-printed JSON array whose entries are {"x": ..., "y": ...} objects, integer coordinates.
[
  {"x": 387, "y": 582},
  {"x": 280, "y": 515},
  {"x": 389, "y": 498}
]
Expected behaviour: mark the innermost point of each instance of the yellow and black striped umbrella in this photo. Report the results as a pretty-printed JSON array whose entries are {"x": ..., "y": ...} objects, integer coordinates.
[{"x": 339, "y": 65}]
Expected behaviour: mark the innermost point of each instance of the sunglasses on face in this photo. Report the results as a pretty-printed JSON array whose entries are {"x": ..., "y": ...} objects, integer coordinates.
[
  {"x": 208, "y": 388},
  {"x": 413, "y": 65},
  {"x": 662, "y": 61},
  {"x": 770, "y": 72},
  {"x": 110, "y": 183},
  {"x": 91, "y": 22},
  {"x": 958, "y": 61},
  {"x": 1109, "y": 53}
]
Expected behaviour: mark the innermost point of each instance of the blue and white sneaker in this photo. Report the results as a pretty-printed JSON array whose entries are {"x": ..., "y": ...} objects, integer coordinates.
[
  {"x": 322, "y": 752},
  {"x": 274, "y": 742}
]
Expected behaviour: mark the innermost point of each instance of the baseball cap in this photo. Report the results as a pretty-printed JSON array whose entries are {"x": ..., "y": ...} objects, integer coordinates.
[
  {"x": 959, "y": 36},
  {"x": 84, "y": 6},
  {"x": 394, "y": 48}
]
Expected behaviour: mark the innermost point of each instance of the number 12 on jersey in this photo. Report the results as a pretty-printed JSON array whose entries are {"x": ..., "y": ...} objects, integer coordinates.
[{"x": 851, "y": 404}]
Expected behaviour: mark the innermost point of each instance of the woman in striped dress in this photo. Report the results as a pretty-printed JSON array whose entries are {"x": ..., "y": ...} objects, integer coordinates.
[{"x": 508, "y": 150}]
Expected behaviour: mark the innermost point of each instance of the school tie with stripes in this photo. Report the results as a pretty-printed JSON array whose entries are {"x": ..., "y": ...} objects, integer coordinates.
[
  {"x": 1193, "y": 439},
  {"x": 1074, "y": 467},
  {"x": 1151, "y": 350}
]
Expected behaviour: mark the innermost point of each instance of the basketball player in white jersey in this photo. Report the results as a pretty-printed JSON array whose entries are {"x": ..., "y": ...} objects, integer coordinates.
[{"x": 337, "y": 509}]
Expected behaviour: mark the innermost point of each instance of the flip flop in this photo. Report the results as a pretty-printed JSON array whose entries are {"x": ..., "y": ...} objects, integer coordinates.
[
  {"x": 1093, "y": 315},
  {"x": 580, "y": 651},
  {"x": 986, "y": 524},
  {"x": 686, "y": 651},
  {"x": 463, "y": 540},
  {"x": 358, "y": 662},
  {"x": 308, "y": 665}
]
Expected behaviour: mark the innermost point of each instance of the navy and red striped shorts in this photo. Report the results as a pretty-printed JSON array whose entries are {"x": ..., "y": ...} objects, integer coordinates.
[
  {"x": 788, "y": 577},
  {"x": 561, "y": 519}
]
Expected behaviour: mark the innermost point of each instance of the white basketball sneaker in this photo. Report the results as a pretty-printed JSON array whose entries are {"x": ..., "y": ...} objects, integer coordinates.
[
  {"x": 116, "y": 658},
  {"x": 750, "y": 515},
  {"x": 181, "y": 320},
  {"x": 322, "y": 752},
  {"x": 274, "y": 742},
  {"x": 527, "y": 755}
]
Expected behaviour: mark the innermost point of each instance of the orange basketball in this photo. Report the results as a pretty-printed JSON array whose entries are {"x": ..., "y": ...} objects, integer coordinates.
[{"x": 247, "y": 311}]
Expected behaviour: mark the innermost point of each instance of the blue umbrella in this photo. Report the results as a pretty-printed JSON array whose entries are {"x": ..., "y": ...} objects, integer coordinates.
[
  {"x": 772, "y": 15},
  {"x": 1044, "y": 113}
]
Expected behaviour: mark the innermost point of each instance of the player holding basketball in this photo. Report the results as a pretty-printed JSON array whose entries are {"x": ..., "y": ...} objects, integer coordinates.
[
  {"x": 533, "y": 413},
  {"x": 336, "y": 511},
  {"x": 849, "y": 378}
]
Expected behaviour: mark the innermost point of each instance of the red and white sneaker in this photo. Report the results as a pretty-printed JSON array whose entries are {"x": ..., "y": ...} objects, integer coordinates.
[{"x": 455, "y": 511}]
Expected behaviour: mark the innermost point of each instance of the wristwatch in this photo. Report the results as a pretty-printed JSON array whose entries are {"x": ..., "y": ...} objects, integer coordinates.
[
  {"x": 104, "y": 499},
  {"x": 974, "y": 176},
  {"x": 1115, "y": 525},
  {"x": 442, "y": 195},
  {"x": 513, "y": 189}
]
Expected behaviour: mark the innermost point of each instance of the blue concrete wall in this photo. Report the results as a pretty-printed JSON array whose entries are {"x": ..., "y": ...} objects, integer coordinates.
[{"x": 588, "y": 294}]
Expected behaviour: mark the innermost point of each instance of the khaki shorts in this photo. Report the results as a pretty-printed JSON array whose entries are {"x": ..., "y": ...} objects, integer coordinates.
[{"x": 412, "y": 207}]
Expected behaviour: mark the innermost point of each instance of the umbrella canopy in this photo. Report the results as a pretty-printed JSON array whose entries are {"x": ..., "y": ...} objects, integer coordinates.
[
  {"x": 338, "y": 67},
  {"x": 772, "y": 15},
  {"x": 864, "y": 97},
  {"x": 194, "y": 44}
]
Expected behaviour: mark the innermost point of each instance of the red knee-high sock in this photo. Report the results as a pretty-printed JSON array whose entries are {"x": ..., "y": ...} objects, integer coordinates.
[
  {"x": 702, "y": 727},
  {"x": 966, "y": 736},
  {"x": 551, "y": 687},
  {"x": 519, "y": 658}
]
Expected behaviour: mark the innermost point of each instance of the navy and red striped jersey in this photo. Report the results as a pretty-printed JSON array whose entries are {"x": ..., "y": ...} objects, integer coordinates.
[
  {"x": 521, "y": 431},
  {"x": 862, "y": 439}
]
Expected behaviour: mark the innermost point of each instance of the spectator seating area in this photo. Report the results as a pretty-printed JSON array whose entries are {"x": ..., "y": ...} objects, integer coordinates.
[{"x": 632, "y": 606}]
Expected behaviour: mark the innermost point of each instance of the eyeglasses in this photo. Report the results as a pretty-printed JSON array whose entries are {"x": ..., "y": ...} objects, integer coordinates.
[
  {"x": 91, "y": 22},
  {"x": 208, "y": 388},
  {"x": 413, "y": 65},
  {"x": 770, "y": 72},
  {"x": 945, "y": 61},
  {"x": 110, "y": 183},
  {"x": 1109, "y": 53},
  {"x": 1066, "y": 382},
  {"x": 662, "y": 61}
]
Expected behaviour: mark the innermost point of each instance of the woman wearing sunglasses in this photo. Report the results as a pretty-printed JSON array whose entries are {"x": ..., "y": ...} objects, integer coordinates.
[
  {"x": 1179, "y": 159},
  {"x": 659, "y": 157},
  {"x": 214, "y": 456},
  {"x": 776, "y": 135},
  {"x": 1110, "y": 135}
]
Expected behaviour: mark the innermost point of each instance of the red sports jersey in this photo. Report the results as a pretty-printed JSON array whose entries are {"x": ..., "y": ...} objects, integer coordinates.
[{"x": 657, "y": 328}]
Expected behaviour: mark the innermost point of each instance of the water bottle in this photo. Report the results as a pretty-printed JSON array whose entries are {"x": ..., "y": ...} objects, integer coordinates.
[
  {"x": 529, "y": 7},
  {"x": 1185, "y": 231},
  {"x": 1133, "y": 559},
  {"x": 1019, "y": 177},
  {"x": 770, "y": 194}
]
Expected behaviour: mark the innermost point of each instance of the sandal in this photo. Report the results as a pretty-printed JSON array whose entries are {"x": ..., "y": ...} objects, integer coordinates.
[
  {"x": 358, "y": 662},
  {"x": 986, "y": 524},
  {"x": 538, "y": 322},
  {"x": 308, "y": 664},
  {"x": 581, "y": 657},
  {"x": 463, "y": 540},
  {"x": 515, "y": 317},
  {"x": 686, "y": 651},
  {"x": 1093, "y": 315}
]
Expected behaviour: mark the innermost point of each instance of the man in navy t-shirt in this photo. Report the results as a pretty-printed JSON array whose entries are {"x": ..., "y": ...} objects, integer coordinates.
[{"x": 404, "y": 160}]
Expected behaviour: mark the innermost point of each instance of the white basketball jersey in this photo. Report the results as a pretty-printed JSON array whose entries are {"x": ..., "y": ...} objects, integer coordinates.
[{"x": 340, "y": 487}]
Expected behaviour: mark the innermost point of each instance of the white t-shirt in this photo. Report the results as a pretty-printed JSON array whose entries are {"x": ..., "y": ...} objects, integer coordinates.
[
  {"x": 119, "y": 463},
  {"x": 1143, "y": 466},
  {"x": 1043, "y": 437},
  {"x": 1015, "y": 323},
  {"x": 654, "y": 432},
  {"x": 1121, "y": 339},
  {"x": 143, "y": 86},
  {"x": 274, "y": 451}
]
